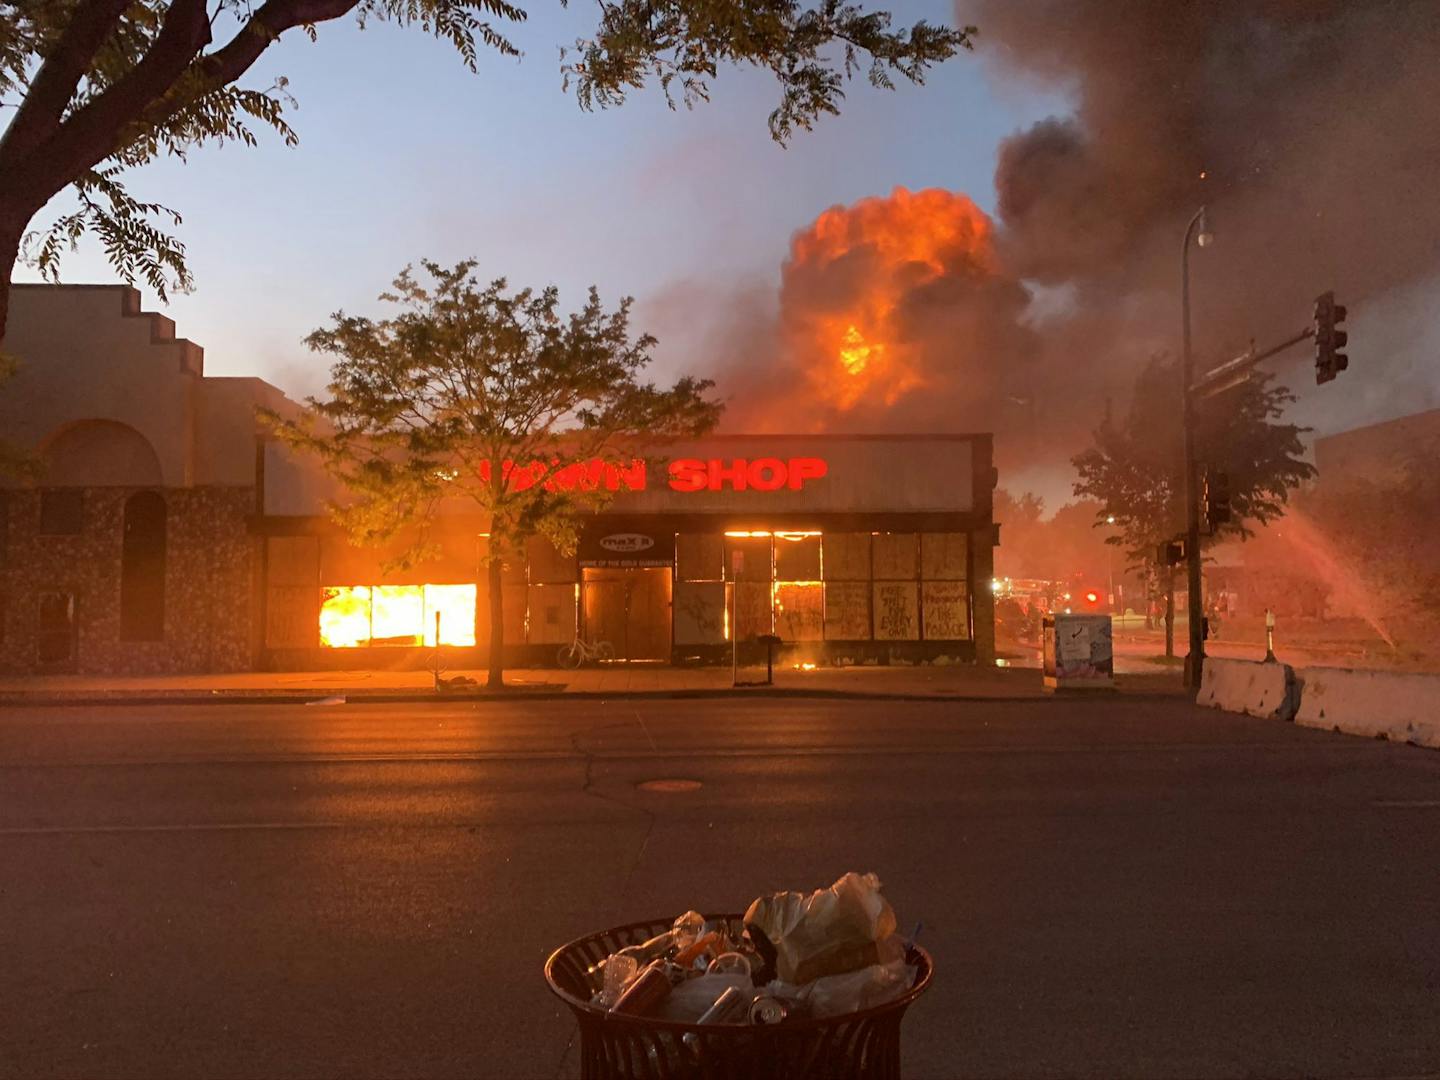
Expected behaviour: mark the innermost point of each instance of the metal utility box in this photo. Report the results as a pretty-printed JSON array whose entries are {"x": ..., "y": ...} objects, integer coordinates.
[{"x": 1078, "y": 652}]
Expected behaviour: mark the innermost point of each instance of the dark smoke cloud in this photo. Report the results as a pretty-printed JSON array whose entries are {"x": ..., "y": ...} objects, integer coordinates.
[{"x": 1311, "y": 129}]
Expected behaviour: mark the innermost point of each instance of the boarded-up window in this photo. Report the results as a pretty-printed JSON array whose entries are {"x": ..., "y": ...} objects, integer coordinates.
[
  {"x": 548, "y": 566},
  {"x": 947, "y": 612},
  {"x": 896, "y": 611},
  {"x": 942, "y": 556},
  {"x": 752, "y": 609},
  {"x": 847, "y": 556},
  {"x": 700, "y": 557},
  {"x": 797, "y": 557},
  {"x": 847, "y": 610},
  {"x": 552, "y": 614},
  {"x": 897, "y": 556},
  {"x": 754, "y": 553},
  {"x": 799, "y": 611},
  {"x": 292, "y": 603},
  {"x": 700, "y": 613}
]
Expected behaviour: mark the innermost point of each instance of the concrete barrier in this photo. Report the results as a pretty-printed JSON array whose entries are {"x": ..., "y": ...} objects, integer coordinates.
[
  {"x": 1403, "y": 708},
  {"x": 1249, "y": 687}
]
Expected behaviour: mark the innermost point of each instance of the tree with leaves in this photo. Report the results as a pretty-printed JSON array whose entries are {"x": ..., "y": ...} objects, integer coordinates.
[
  {"x": 99, "y": 87},
  {"x": 485, "y": 394},
  {"x": 1135, "y": 469}
]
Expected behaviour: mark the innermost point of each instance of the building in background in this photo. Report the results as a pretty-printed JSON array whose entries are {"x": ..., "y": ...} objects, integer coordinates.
[
  {"x": 134, "y": 551},
  {"x": 169, "y": 534},
  {"x": 1379, "y": 455}
]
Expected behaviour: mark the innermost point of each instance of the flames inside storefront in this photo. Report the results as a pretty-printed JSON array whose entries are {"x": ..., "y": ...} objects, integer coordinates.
[{"x": 846, "y": 548}]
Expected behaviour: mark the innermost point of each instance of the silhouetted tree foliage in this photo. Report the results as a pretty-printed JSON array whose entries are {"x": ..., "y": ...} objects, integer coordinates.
[
  {"x": 101, "y": 86},
  {"x": 481, "y": 393},
  {"x": 1135, "y": 470}
]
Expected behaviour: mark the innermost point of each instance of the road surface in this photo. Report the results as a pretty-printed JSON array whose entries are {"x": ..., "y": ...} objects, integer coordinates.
[{"x": 1117, "y": 888}]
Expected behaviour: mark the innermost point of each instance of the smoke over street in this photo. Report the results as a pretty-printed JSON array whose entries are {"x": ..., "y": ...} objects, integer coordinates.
[{"x": 1309, "y": 129}]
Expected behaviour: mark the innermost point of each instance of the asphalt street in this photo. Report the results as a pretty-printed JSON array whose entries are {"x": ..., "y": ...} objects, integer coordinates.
[{"x": 1110, "y": 888}]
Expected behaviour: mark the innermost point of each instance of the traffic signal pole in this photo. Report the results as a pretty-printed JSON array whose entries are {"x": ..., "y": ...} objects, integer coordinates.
[{"x": 1329, "y": 340}]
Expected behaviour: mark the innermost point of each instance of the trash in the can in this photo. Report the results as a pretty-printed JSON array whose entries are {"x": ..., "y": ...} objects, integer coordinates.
[
  {"x": 830, "y": 952},
  {"x": 647, "y": 990}
]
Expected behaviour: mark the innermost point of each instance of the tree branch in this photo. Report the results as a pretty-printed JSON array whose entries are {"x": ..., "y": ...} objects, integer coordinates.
[
  {"x": 92, "y": 133},
  {"x": 39, "y": 114}
]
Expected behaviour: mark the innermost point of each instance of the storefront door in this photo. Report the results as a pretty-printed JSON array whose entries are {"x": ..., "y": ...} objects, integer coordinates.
[{"x": 631, "y": 610}]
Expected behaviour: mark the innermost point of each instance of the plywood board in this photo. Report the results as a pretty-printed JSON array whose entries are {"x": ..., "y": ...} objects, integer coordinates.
[
  {"x": 847, "y": 611},
  {"x": 700, "y": 612},
  {"x": 942, "y": 556},
  {"x": 797, "y": 558},
  {"x": 799, "y": 612},
  {"x": 947, "y": 613},
  {"x": 896, "y": 611},
  {"x": 847, "y": 557},
  {"x": 897, "y": 556},
  {"x": 292, "y": 560},
  {"x": 552, "y": 614},
  {"x": 547, "y": 565},
  {"x": 700, "y": 557},
  {"x": 292, "y": 617},
  {"x": 752, "y": 610}
]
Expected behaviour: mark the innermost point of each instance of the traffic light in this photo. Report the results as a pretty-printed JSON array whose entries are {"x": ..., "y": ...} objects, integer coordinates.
[
  {"x": 1215, "y": 499},
  {"x": 1329, "y": 339},
  {"x": 1170, "y": 553}
]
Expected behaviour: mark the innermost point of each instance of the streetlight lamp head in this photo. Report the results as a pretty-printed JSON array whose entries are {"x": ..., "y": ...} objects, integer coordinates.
[
  {"x": 1204, "y": 237},
  {"x": 1110, "y": 519}
]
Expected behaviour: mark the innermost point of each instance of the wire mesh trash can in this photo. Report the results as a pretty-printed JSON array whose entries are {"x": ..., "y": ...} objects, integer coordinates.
[{"x": 863, "y": 1045}]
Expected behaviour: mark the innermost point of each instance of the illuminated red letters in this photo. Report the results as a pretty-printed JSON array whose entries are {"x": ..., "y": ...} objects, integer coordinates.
[
  {"x": 741, "y": 474},
  {"x": 686, "y": 474}
]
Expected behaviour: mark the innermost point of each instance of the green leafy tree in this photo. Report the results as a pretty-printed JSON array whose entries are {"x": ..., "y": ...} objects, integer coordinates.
[
  {"x": 1135, "y": 469},
  {"x": 480, "y": 393},
  {"x": 101, "y": 86}
]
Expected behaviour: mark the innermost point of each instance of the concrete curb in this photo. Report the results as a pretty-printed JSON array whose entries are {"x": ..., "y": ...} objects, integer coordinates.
[{"x": 44, "y": 700}]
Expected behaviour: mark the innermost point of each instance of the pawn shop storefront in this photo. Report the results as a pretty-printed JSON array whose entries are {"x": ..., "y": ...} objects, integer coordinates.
[{"x": 859, "y": 549}]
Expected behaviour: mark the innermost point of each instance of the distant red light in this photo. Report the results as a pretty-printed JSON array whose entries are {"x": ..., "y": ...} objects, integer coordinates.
[{"x": 1092, "y": 597}]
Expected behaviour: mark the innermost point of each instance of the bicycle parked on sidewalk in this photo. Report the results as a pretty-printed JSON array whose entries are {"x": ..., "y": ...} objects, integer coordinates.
[{"x": 580, "y": 651}]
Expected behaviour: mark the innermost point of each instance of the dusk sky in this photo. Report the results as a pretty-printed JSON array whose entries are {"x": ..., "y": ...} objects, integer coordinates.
[{"x": 405, "y": 154}]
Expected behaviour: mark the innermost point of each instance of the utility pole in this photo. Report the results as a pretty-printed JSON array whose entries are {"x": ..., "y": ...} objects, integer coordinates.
[
  {"x": 1194, "y": 608},
  {"x": 1329, "y": 339}
]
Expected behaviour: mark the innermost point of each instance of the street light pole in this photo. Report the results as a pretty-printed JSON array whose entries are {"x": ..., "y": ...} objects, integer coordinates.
[{"x": 1195, "y": 661}]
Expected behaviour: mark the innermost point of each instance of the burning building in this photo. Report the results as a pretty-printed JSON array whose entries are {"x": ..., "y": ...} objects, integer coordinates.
[{"x": 168, "y": 534}]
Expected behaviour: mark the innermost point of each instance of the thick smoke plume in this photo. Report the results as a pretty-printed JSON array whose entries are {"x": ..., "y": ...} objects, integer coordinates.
[{"x": 1311, "y": 129}]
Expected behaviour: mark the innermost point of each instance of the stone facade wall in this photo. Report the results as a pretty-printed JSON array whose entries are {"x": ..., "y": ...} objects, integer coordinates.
[{"x": 210, "y": 583}]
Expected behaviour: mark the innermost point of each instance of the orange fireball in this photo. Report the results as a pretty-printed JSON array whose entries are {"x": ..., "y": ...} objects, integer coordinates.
[{"x": 845, "y": 278}]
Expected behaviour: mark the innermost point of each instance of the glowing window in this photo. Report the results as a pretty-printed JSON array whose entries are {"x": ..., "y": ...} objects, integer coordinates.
[
  {"x": 397, "y": 615},
  {"x": 455, "y": 604},
  {"x": 357, "y": 615}
]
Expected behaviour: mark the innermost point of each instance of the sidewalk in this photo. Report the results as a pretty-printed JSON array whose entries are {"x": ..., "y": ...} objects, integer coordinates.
[{"x": 959, "y": 682}]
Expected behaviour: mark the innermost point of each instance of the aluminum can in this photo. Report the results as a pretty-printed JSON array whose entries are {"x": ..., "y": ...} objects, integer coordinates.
[
  {"x": 767, "y": 1010},
  {"x": 731, "y": 1007}
]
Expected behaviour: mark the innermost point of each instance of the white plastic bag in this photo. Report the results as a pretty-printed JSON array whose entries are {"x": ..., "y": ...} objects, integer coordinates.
[
  {"x": 832, "y": 995},
  {"x": 829, "y": 932}
]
